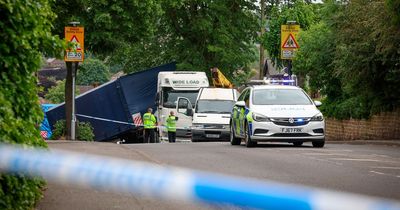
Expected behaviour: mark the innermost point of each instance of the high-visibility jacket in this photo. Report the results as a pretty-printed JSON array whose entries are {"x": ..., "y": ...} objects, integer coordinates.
[
  {"x": 171, "y": 123},
  {"x": 149, "y": 121}
]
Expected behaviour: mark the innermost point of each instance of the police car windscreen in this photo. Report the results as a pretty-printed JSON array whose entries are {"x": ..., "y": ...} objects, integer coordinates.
[
  {"x": 280, "y": 97},
  {"x": 214, "y": 106},
  {"x": 170, "y": 96}
]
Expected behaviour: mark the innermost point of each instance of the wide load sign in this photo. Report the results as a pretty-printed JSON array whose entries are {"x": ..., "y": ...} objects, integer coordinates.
[
  {"x": 289, "y": 43},
  {"x": 75, "y": 40}
]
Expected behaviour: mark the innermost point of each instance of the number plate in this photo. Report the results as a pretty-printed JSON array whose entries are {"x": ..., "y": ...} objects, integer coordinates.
[
  {"x": 291, "y": 130},
  {"x": 214, "y": 136}
]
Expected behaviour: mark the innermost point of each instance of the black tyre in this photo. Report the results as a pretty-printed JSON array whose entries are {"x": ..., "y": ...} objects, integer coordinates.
[
  {"x": 247, "y": 138},
  {"x": 194, "y": 140},
  {"x": 318, "y": 144},
  {"x": 297, "y": 143},
  {"x": 232, "y": 138}
]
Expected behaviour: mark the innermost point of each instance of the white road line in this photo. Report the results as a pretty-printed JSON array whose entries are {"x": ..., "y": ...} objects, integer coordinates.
[
  {"x": 364, "y": 160},
  {"x": 385, "y": 167},
  {"x": 380, "y": 173},
  {"x": 376, "y": 172},
  {"x": 324, "y": 160},
  {"x": 325, "y": 154}
]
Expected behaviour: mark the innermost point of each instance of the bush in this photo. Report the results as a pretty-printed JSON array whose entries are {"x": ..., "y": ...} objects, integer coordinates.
[
  {"x": 25, "y": 36},
  {"x": 56, "y": 94},
  {"x": 84, "y": 131},
  {"x": 92, "y": 71}
]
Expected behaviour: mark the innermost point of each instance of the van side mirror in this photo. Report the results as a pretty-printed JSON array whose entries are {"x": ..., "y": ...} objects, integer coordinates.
[
  {"x": 240, "y": 104},
  {"x": 157, "y": 101},
  {"x": 317, "y": 103},
  {"x": 184, "y": 106}
]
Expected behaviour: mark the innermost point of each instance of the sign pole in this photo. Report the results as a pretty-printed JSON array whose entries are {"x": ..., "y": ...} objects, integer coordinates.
[{"x": 74, "y": 54}]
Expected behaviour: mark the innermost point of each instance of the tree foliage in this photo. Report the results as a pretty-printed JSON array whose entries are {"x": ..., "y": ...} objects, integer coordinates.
[
  {"x": 298, "y": 10},
  {"x": 108, "y": 24},
  {"x": 212, "y": 33},
  {"x": 56, "y": 94},
  {"x": 140, "y": 34},
  {"x": 25, "y": 34},
  {"x": 358, "y": 52},
  {"x": 92, "y": 71}
]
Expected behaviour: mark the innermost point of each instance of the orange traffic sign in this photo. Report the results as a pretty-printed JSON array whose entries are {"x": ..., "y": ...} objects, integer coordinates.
[
  {"x": 75, "y": 39},
  {"x": 289, "y": 44}
]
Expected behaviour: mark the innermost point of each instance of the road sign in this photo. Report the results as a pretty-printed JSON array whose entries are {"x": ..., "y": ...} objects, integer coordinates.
[
  {"x": 74, "y": 35},
  {"x": 289, "y": 43}
]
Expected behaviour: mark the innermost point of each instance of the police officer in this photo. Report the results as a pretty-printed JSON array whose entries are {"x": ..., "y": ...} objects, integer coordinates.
[
  {"x": 150, "y": 122},
  {"x": 171, "y": 127}
]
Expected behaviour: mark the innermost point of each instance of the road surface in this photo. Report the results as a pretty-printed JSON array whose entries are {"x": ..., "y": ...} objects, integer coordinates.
[{"x": 365, "y": 169}]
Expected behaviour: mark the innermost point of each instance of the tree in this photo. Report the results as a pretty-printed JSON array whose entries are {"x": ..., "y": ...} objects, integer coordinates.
[
  {"x": 210, "y": 33},
  {"x": 300, "y": 11},
  {"x": 56, "y": 94},
  {"x": 108, "y": 24},
  {"x": 25, "y": 36},
  {"x": 352, "y": 57},
  {"x": 92, "y": 71}
]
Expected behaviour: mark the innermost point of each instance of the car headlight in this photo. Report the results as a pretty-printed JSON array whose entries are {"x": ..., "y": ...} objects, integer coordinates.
[
  {"x": 260, "y": 118},
  {"x": 317, "y": 117}
]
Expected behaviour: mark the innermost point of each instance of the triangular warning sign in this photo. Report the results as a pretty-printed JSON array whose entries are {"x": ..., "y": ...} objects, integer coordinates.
[
  {"x": 290, "y": 42},
  {"x": 77, "y": 45}
]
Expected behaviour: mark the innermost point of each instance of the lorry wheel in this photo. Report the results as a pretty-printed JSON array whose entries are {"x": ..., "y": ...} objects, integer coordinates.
[{"x": 233, "y": 139}]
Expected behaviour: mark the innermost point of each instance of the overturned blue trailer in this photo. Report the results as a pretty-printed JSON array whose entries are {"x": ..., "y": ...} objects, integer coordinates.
[{"x": 112, "y": 107}]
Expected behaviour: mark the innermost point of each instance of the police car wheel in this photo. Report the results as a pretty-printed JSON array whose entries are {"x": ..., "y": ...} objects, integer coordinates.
[
  {"x": 318, "y": 144},
  {"x": 233, "y": 139},
  {"x": 247, "y": 138},
  {"x": 297, "y": 143}
]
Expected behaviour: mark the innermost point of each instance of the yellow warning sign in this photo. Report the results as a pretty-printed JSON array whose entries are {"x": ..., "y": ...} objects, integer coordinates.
[
  {"x": 75, "y": 40},
  {"x": 289, "y": 43}
]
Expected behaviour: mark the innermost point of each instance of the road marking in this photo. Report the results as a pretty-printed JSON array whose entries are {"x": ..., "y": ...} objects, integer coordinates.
[
  {"x": 376, "y": 172},
  {"x": 385, "y": 167},
  {"x": 325, "y": 154},
  {"x": 324, "y": 160},
  {"x": 380, "y": 173},
  {"x": 363, "y": 160}
]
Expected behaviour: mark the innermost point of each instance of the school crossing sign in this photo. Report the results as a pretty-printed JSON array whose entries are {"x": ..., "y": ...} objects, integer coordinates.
[
  {"x": 289, "y": 43},
  {"x": 75, "y": 40}
]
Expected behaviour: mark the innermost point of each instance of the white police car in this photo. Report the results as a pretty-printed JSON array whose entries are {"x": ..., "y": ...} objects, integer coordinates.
[{"x": 276, "y": 113}]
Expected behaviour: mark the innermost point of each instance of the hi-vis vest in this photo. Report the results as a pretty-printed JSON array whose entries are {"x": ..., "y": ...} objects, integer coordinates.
[
  {"x": 171, "y": 123},
  {"x": 149, "y": 121}
]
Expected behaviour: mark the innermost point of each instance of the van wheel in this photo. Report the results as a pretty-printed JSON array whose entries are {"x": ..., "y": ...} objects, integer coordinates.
[
  {"x": 232, "y": 138},
  {"x": 318, "y": 144},
  {"x": 194, "y": 140},
  {"x": 247, "y": 138}
]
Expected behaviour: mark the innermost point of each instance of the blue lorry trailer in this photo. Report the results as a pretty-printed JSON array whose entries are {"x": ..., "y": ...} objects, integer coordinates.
[{"x": 111, "y": 107}]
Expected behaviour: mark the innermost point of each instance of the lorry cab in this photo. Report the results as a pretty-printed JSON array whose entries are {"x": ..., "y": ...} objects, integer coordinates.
[
  {"x": 211, "y": 113},
  {"x": 172, "y": 85}
]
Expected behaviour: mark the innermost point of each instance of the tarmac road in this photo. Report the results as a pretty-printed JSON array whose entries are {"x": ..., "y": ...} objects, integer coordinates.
[{"x": 365, "y": 169}]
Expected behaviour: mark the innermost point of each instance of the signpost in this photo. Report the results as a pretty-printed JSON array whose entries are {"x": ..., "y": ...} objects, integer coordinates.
[
  {"x": 73, "y": 54},
  {"x": 289, "y": 43}
]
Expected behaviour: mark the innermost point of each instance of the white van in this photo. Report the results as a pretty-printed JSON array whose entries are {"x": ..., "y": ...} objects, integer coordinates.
[{"x": 211, "y": 114}]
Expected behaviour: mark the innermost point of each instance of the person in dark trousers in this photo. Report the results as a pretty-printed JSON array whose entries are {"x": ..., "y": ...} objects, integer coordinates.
[
  {"x": 171, "y": 127},
  {"x": 150, "y": 122}
]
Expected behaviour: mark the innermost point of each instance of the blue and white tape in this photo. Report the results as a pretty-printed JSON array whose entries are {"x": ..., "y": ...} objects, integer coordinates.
[{"x": 176, "y": 183}]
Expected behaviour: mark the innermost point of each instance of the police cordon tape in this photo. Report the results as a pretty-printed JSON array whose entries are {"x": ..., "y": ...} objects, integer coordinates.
[
  {"x": 122, "y": 122},
  {"x": 123, "y": 176}
]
